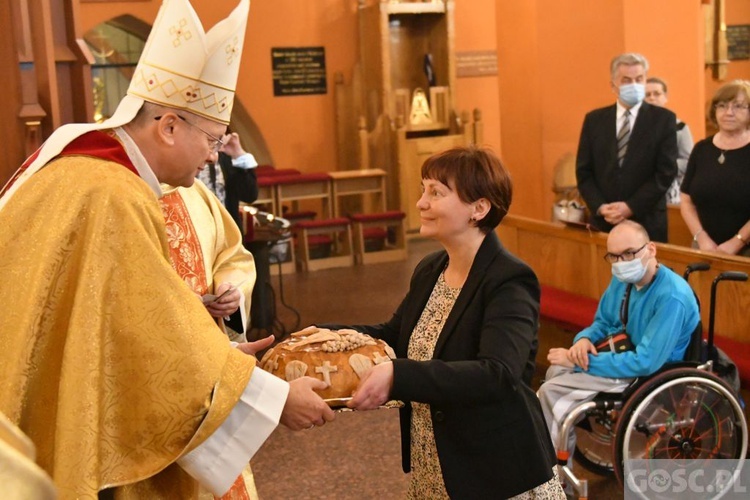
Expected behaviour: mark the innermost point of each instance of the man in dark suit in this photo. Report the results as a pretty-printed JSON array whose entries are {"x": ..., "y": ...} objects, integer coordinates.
[
  {"x": 627, "y": 155},
  {"x": 234, "y": 180}
]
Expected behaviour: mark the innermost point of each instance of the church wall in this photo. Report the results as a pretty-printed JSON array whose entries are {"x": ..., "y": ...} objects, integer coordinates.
[
  {"x": 553, "y": 60},
  {"x": 555, "y": 68},
  {"x": 300, "y": 130},
  {"x": 475, "y": 31}
]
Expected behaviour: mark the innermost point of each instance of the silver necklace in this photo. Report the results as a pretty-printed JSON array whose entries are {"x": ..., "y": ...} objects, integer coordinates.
[{"x": 721, "y": 158}]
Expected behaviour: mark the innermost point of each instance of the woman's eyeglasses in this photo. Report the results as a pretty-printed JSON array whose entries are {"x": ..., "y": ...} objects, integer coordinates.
[{"x": 734, "y": 106}]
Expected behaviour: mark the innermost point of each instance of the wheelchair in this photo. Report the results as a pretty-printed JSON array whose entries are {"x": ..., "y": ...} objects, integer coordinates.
[{"x": 684, "y": 412}]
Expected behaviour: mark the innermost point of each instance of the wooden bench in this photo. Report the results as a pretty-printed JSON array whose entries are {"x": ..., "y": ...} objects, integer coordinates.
[
  {"x": 298, "y": 187},
  {"x": 336, "y": 232},
  {"x": 571, "y": 260},
  {"x": 368, "y": 185},
  {"x": 376, "y": 226}
]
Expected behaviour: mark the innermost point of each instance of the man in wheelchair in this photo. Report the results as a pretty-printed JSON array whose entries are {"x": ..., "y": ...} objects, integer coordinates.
[{"x": 645, "y": 319}]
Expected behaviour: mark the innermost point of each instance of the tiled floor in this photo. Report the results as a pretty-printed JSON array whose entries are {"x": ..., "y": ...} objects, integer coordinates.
[{"x": 358, "y": 456}]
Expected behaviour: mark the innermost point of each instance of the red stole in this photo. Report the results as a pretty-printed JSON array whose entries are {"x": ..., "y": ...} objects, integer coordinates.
[
  {"x": 97, "y": 144},
  {"x": 184, "y": 245}
]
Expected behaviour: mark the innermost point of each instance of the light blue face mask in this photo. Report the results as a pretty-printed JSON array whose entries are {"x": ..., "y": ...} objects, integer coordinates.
[
  {"x": 632, "y": 93},
  {"x": 629, "y": 271}
]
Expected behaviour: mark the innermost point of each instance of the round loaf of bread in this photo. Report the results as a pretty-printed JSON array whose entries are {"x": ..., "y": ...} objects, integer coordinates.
[{"x": 338, "y": 357}]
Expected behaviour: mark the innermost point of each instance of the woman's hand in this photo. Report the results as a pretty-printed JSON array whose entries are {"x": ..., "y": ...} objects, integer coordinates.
[
  {"x": 732, "y": 246},
  {"x": 706, "y": 244},
  {"x": 374, "y": 388}
]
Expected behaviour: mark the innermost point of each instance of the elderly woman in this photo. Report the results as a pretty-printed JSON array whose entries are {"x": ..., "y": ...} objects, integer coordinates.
[
  {"x": 715, "y": 197},
  {"x": 465, "y": 338}
]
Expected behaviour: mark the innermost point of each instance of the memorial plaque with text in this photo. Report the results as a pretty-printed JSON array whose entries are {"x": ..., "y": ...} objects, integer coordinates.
[
  {"x": 738, "y": 42},
  {"x": 298, "y": 70},
  {"x": 476, "y": 63}
]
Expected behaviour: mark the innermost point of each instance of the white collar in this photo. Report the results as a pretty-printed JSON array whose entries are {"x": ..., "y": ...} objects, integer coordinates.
[
  {"x": 633, "y": 111},
  {"x": 139, "y": 161}
]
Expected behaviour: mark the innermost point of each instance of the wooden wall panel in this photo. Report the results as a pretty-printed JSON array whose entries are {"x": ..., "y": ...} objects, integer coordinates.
[{"x": 572, "y": 260}]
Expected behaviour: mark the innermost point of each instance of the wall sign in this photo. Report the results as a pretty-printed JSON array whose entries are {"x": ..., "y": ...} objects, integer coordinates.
[
  {"x": 298, "y": 70},
  {"x": 476, "y": 63},
  {"x": 738, "y": 42}
]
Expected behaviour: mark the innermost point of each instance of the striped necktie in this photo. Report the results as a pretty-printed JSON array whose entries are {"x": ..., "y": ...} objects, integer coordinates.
[{"x": 623, "y": 136}]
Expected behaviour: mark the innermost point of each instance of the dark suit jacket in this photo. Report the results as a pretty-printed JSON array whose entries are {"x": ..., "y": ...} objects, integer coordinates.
[
  {"x": 239, "y": 185},
  {"x": 491, "y": 437},
  {"x": 647, "y": 171}
]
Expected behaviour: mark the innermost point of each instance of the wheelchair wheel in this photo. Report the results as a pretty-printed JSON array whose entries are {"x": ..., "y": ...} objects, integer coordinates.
[
  {"x": 684, "y": 415},
  {"x": 594, "y": 446}
]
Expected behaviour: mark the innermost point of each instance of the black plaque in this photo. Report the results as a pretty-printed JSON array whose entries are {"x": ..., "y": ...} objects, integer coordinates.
[
  {"x": 298, "y": 70},
  {"x": 738, "y": 42}
]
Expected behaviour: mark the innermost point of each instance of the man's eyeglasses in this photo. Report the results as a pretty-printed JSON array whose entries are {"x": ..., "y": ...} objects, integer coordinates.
[
  {"x": 734, "y": 106},
  {"x": 214, "y": 143},
  {"x": 626, "y": 256}
]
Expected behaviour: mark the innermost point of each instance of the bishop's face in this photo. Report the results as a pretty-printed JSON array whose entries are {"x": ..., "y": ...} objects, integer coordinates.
[{"x": 199, "y": 141}]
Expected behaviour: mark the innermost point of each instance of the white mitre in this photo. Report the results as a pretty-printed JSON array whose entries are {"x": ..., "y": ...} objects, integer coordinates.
[{"x": 181, "y": 66}]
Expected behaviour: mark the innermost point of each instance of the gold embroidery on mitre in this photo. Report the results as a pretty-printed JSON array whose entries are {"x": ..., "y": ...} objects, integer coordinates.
[
  {"x": 162, "y": 86},
  {"x": 191, "y": 93},
  {"x": 232, "y": 50},
  {"x": 180, "y": 32}
]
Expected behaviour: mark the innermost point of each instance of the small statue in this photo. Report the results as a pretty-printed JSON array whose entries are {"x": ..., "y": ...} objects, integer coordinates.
[{"x": 420, "y": 108}]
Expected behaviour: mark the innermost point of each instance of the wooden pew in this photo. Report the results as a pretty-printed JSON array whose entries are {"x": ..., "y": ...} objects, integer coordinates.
[{"x": 572, "y": 260}]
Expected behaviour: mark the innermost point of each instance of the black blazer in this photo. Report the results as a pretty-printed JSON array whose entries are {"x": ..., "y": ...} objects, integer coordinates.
[
  {"x": 649, "y": 167},
  {"x": 491, "y": 437}
]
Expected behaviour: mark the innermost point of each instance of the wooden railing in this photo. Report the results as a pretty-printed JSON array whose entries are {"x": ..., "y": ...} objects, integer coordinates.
[{"x": 572, "y": 259}]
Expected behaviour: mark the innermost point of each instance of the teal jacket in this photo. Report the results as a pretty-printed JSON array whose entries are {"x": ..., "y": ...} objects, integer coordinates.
[{"x": 661, "y": 319}]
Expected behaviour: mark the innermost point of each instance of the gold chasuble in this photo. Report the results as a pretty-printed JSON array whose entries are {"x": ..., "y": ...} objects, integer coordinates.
[
  {"x": 108, "y": 362},
  {"x": 205, "y": 247}
]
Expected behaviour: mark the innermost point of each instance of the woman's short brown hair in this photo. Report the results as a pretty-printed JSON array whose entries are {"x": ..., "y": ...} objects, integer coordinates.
[
  {"x": 476, "y": 173},
  {"x": 727, "y": 93}
]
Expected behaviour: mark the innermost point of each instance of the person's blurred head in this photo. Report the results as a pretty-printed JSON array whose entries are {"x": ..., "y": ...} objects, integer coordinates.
[
  {"x": 628, "y": 78},
  {"x": 729, "y": 106},
  {"x": 656, "y": 91},
  {"x": 631, "y": 253},
  {"x": 465, "y": 188},
  {"x": 175, "y": 143}
]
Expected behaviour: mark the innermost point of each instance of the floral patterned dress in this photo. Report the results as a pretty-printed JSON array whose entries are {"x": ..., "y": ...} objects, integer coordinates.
[{"x": 426, "y": 475}]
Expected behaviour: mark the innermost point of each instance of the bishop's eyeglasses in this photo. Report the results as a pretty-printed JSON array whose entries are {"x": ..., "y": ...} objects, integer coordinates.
[{"x": 214, "y": 142}]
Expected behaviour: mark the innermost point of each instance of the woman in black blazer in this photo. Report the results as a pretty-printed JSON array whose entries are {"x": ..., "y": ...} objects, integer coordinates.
[{"x": 465, "y": 338}]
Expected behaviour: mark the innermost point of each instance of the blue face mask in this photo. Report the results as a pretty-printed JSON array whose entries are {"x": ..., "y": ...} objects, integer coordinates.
[
  {"x": 629, "y": 271},
  {"x": 632, "y": 93}
]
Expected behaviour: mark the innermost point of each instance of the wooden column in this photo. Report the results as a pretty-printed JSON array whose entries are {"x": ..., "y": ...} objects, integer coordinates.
[
  {"x": 47, "y": 75},
  {"x": 11, "y": 125}
]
